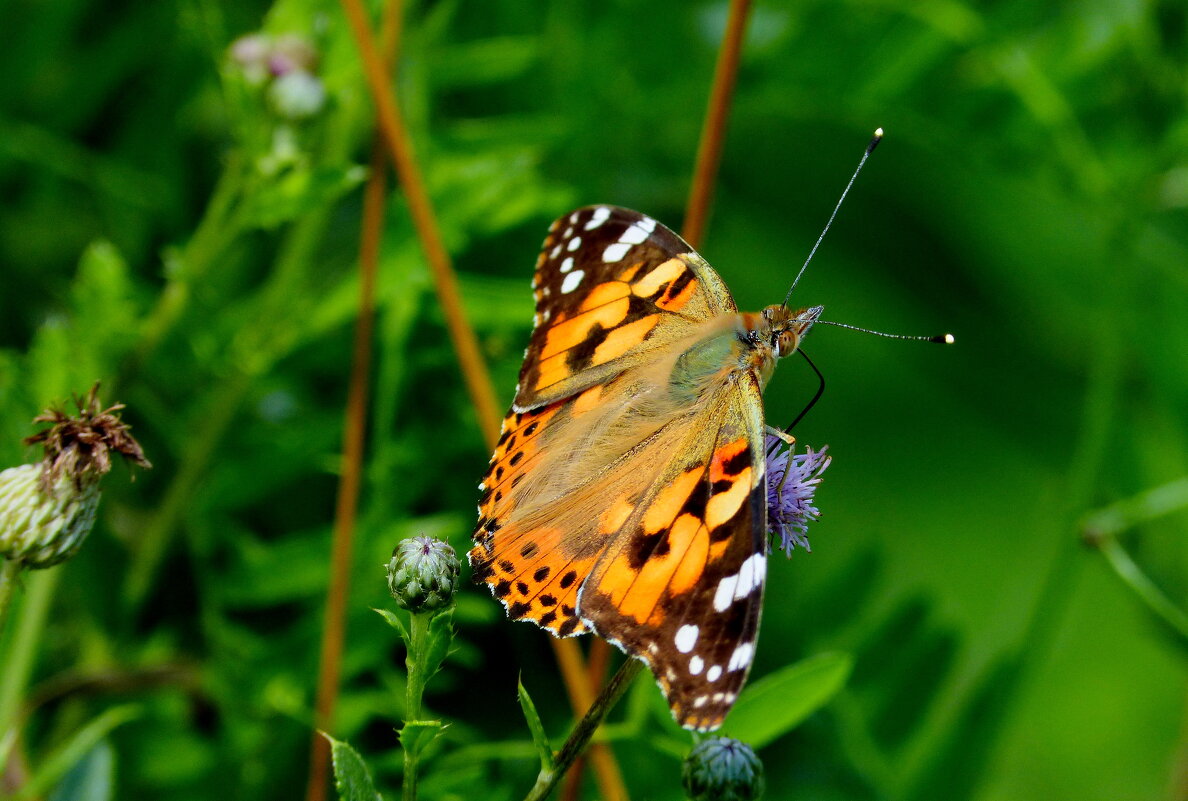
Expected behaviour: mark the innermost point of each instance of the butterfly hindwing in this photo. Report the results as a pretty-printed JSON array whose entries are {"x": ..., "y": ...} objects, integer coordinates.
[{"x": 682, "y": 586}]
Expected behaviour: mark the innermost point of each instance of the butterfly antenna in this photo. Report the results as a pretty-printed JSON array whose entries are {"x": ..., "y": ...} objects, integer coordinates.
[
  {"x": 874, "y": 142},
  {"x": 943, "y": 339}
]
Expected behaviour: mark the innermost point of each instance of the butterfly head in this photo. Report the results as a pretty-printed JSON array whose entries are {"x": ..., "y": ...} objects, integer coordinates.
[{"x": 783, "y": 328}]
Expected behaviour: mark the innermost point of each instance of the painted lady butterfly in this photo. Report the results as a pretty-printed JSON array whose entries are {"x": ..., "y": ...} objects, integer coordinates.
[{"x": 627, "y": 494}]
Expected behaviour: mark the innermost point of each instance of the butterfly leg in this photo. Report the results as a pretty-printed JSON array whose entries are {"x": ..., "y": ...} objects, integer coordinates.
[{"x": 787, "y": 438}]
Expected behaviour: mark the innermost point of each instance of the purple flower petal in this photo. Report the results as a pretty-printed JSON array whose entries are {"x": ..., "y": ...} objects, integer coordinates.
[{"x": 791, "y": 481}]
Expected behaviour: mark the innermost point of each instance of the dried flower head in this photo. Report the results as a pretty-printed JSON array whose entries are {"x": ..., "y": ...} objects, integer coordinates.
[
  {"x": 48, "y": 509},
  {"x": 80, "y": 447},
  {"x": 791, "y": 481}
]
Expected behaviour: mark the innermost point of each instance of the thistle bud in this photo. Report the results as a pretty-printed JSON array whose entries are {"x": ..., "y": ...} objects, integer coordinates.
[
  {"x": 47, "y": 509},
  {"x": 423, "y": 574},
  {"x": 40, "y": 527},
  {"x": 722, "y": 769}
]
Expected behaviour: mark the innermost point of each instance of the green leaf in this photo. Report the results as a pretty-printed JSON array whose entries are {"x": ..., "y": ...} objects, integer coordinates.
[
  {"x": 351, "y": 777},
  {"x": 74, "y": 750},
  {"x": 91, "y": 777},
  {"x": 539, "y": 738},
  {"x": 300, "y": 191},
  {"x": 486, "y": 61},
  {"x": 416, "y": 735},
  {"x": 776, "y": 704},
  {"x": 437, "y": 644},
  {"x": 394, "y": 621}
]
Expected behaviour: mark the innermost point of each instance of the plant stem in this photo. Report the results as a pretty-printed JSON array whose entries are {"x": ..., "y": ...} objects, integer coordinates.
[
  {"x": 17, "y": 663},
  {"x": 462, "y": 336},
  {"x": 10, "y": 570},
  {"x": 584, "y": 730},
  {"x": 1133, "y": 577},
  {"x": 354, "y": 436},
  {"x": 400, "y": 149},
  {"x": 418, "y": 632},
  {"x": 709, "y": 149}
]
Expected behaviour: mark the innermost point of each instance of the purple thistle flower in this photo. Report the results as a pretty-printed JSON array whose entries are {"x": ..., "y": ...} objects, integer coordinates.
[{"x": 791, "y": 481}]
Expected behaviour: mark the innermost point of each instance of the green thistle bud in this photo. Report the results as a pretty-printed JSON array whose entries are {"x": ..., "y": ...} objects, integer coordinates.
[
  {"x": 722, "y": 769},
  {"x": 41, "y": 528},
  {"x": 423, "y": 574},
  {"x": 47, "y": 509}
]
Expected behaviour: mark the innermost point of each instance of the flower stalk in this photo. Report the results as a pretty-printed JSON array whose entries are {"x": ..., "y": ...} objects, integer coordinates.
[
  {"x": 423, "y": 578},
  {"x": 579, "y": 738}
]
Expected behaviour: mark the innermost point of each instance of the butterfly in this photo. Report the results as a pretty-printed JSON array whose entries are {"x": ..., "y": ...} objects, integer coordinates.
[{"x": 627, "y": 493}]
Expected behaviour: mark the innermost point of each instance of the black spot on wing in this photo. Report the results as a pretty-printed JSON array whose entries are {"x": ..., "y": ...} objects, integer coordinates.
[
  {"x": 581, "y": 355},
  {"x": 644, "y": 546}
]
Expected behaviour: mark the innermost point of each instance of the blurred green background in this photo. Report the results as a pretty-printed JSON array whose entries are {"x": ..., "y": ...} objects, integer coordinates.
[{"x": 166, "y": 229}]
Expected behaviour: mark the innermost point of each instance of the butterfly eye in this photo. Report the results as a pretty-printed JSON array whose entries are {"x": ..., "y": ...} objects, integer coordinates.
[{"x": 786, "y": 343}]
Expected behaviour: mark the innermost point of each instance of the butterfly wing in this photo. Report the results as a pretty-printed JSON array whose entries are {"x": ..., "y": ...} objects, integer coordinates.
[
  {"x": 612, "y": 288},
  {"x": 599, "y": 472},
  {"x": 681, "y": 586}
]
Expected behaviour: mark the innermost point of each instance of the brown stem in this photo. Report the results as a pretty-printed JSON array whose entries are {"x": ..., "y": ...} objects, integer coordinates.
[
  {"x": 705, "y": 171},
  {"x": 474, "y": 370},
  {"x": 354, "y": 433},
  {"x": 709, "y": 150},
  {"x": 596, "y": 665}
]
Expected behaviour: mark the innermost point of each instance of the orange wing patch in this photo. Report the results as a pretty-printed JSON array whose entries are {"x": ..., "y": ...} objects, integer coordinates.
[{"x": 527, "y": 570}]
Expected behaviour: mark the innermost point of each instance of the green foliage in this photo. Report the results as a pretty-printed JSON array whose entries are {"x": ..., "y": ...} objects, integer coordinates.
[
  {"x": 780, "y": 701},
  {"x": 539, "y": 738},
  {"x": 351, "y": 777},
  {"x": 167, "y": 233}
]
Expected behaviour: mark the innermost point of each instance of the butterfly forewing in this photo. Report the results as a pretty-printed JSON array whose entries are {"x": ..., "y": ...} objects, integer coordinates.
[
  {"x": 623, "y": 494},
  {"x": 612, "y": 286}
]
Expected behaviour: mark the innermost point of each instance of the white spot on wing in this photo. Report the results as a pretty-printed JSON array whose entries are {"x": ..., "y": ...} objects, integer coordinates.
[
  {"x": 567, "y": 265},
  {"x": 725, "y": 593},
  {"x": 555, "y": 251},
  {"x": 741, "y": 656},
  {"x": 571, "y": 281},
  {"x": 600, "y": 216},
  {"x": 700, "y": 701},
  {"x": 750, "y": 575},
  {"x": 714, "y": 673},
  {"x": 575, "y": 243},
  {"x": 573, "y": 218},
  {"x": 615, "y": 252},
  {"x": 696, "y": 665},
  {"x": 686, "y": 638},
  {"x": 638, "y": 231}
]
